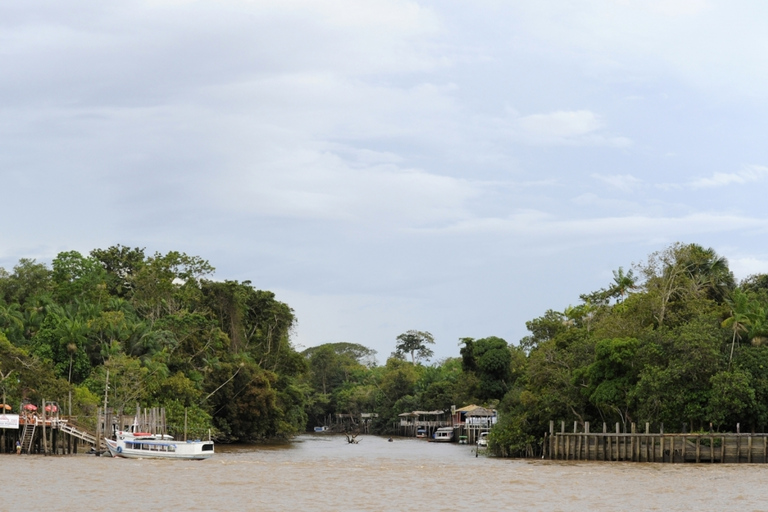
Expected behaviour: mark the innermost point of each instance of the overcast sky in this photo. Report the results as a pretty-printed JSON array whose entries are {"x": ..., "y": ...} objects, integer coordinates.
[{"x": 384, "y": 165}]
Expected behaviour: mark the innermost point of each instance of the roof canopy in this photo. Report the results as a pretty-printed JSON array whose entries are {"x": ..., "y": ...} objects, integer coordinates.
[{"x": 480, "y": 411}]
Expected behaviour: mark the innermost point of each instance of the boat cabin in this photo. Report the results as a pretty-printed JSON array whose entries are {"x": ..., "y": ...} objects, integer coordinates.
[{"x": 444, "y": 434}]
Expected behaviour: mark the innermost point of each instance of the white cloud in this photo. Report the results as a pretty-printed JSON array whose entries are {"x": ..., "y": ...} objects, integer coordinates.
[
  {"x": 561, "y": 124},
  {"x": 749, "y": 174},
  {"x": 746, "y": 266},
  {"x": 560, "y": 128},
  {"x": 623, "y": 182},
  {"x": 315, "y": 184},
  {"x": 712, "y": 46},
  {"x": 540, "y": 225}
]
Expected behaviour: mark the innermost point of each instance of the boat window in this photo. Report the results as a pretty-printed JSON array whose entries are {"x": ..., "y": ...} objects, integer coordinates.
[{"x": 207, "y": 447}]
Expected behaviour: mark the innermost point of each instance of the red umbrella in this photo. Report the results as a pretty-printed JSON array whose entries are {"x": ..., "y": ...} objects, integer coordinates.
[
  {"x": 30, "y": 407},
  {"x": 49, "y": 408}
]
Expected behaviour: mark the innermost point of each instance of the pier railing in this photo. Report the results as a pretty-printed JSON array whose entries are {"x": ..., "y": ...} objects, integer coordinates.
[{"x": 654, "y": 447}]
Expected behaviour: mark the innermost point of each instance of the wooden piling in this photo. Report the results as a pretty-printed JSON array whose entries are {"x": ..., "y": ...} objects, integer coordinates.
[{"x": 645, "y": 446}]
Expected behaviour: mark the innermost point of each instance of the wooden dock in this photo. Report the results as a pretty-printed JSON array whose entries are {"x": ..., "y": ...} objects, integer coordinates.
[
  {"x": 50, "y": 434},
  {"x": 708, "y": 447}
]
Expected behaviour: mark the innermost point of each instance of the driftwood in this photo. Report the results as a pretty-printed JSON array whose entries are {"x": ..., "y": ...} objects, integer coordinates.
[{"x": 352, "y": 437}]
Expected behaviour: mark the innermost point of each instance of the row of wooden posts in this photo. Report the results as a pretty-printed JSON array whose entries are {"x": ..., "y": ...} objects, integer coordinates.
[{"x": 653, "y": 447}]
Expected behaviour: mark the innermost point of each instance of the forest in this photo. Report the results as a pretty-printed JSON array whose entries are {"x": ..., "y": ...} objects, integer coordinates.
[{"x": 674, "y": 340}]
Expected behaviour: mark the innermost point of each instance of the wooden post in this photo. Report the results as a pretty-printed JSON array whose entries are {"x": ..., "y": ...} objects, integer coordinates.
[
  {"x": 765, "y": 448},
  {"x": 576, "y": 447},
  {"x": 647, "y": 441},
  {"x": 671, "y": 448},
  {"x": 98, "y": 427},
  {"x": 749, "y": 448},
  {"x": 2, "y": 442},
  {"x": 682, "y": 450},
  {"x": 722, "y": 450},
  {"x": 45, "y": 441},
  {"x": 605, "y": 431},
  {"x": 185, "y": 424},
  {"x": 610, "y": 448},
  {"x": 586, "y": 439},
  {"x": 632, "y": 441},
  {"x": 551, "y": 438},
  {"x": 698, "y": 449},
  {"x": 564, "y": 451}
]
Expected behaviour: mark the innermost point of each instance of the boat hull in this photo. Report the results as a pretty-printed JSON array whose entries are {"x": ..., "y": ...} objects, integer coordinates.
[{"x": 160, "y": 449}]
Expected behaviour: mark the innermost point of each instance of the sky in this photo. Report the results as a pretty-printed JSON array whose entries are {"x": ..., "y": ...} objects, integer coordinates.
[{"x": 447, "y": 166}]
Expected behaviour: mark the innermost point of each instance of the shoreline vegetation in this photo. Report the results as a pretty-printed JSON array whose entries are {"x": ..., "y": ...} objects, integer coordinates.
[{"x": 674, "y": 341}]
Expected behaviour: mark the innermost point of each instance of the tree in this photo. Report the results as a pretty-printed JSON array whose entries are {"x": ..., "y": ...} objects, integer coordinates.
[
  {"x": 121, "y": 264},
  {"x": 493, "y": 360},
  {"x": 543, "y": 328},
  {"x": 363, "y": 355},
  {"x": 28, "y": 280},
  {"x": 613, "y": 376},
  {"x": 685, "y": 278},
  {"x": 739, "y": 321},
  {"x": 623, "y": 283},
  {"x": 415, "y": 343},
  {"x": 77, "y": 277}
]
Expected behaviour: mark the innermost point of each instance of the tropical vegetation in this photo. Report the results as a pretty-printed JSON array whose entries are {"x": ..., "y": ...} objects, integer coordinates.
[{"x": 674, "y": 341}]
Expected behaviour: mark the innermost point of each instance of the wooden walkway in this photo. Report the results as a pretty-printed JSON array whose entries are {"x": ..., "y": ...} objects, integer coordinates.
[{"x": 655, "y": 447}]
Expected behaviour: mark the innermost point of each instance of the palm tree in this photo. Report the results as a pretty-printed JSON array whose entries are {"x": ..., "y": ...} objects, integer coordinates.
[
  {"x": 623, "y": 283},
  {"x": 741, "y": 311},
  {"x": 11, "y": 316},
  {"x": 709, "y": 271}
]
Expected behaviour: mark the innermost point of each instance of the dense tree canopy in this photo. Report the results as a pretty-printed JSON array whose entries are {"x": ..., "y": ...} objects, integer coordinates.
[
  {"x": 168, "y": 336},
  {"x": 673, "y": 341}
]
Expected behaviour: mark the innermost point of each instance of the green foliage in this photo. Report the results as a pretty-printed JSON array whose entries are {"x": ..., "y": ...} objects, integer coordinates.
[
  {"x": 674, "y": 351},
  {"x": 165, "y": 334},
  {"x": 492, "y": 360},
  {"x": 28, "y": 281},
  {"x": 414, "y": 343},
  {"x": 673, "y": 340}
]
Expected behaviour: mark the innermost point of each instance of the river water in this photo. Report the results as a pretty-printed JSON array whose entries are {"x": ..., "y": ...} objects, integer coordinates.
[{"x": 325, "y": 473}]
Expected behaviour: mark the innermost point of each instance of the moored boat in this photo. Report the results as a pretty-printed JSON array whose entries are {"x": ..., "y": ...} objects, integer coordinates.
[
  {"x": 443, "y": 434},
  {"x": 143, "y": 445}
]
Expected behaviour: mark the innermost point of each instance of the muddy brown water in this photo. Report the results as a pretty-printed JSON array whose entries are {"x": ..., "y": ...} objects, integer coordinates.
[{"x": 325, "y": 473}]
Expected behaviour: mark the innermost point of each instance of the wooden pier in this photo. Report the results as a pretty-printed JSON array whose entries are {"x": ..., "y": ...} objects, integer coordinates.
[
  {"x": 708, "y": 447},
  {"x": 45, "y": 431}
]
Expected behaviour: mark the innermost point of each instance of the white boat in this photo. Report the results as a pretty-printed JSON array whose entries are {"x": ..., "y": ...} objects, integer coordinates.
[
  {"x": 142, "y": 445},
  {"x": 482, "y": 441},
  {"x": 443, "y": 434},
  {"x": 321, "y": 429}
]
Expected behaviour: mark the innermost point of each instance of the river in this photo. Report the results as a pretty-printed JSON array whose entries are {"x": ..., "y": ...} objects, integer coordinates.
[{"x": 325, "y": 473}]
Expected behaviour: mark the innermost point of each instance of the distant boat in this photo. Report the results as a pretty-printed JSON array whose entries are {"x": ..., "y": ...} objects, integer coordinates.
[
  {"x": 143, "y": 445},
  {"x": 443, "y": 435},
  {"x": 321, "y": 429}
]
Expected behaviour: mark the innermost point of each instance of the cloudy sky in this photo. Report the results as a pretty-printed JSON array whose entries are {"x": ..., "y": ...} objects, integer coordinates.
[{"x": 384, "y": 165}]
